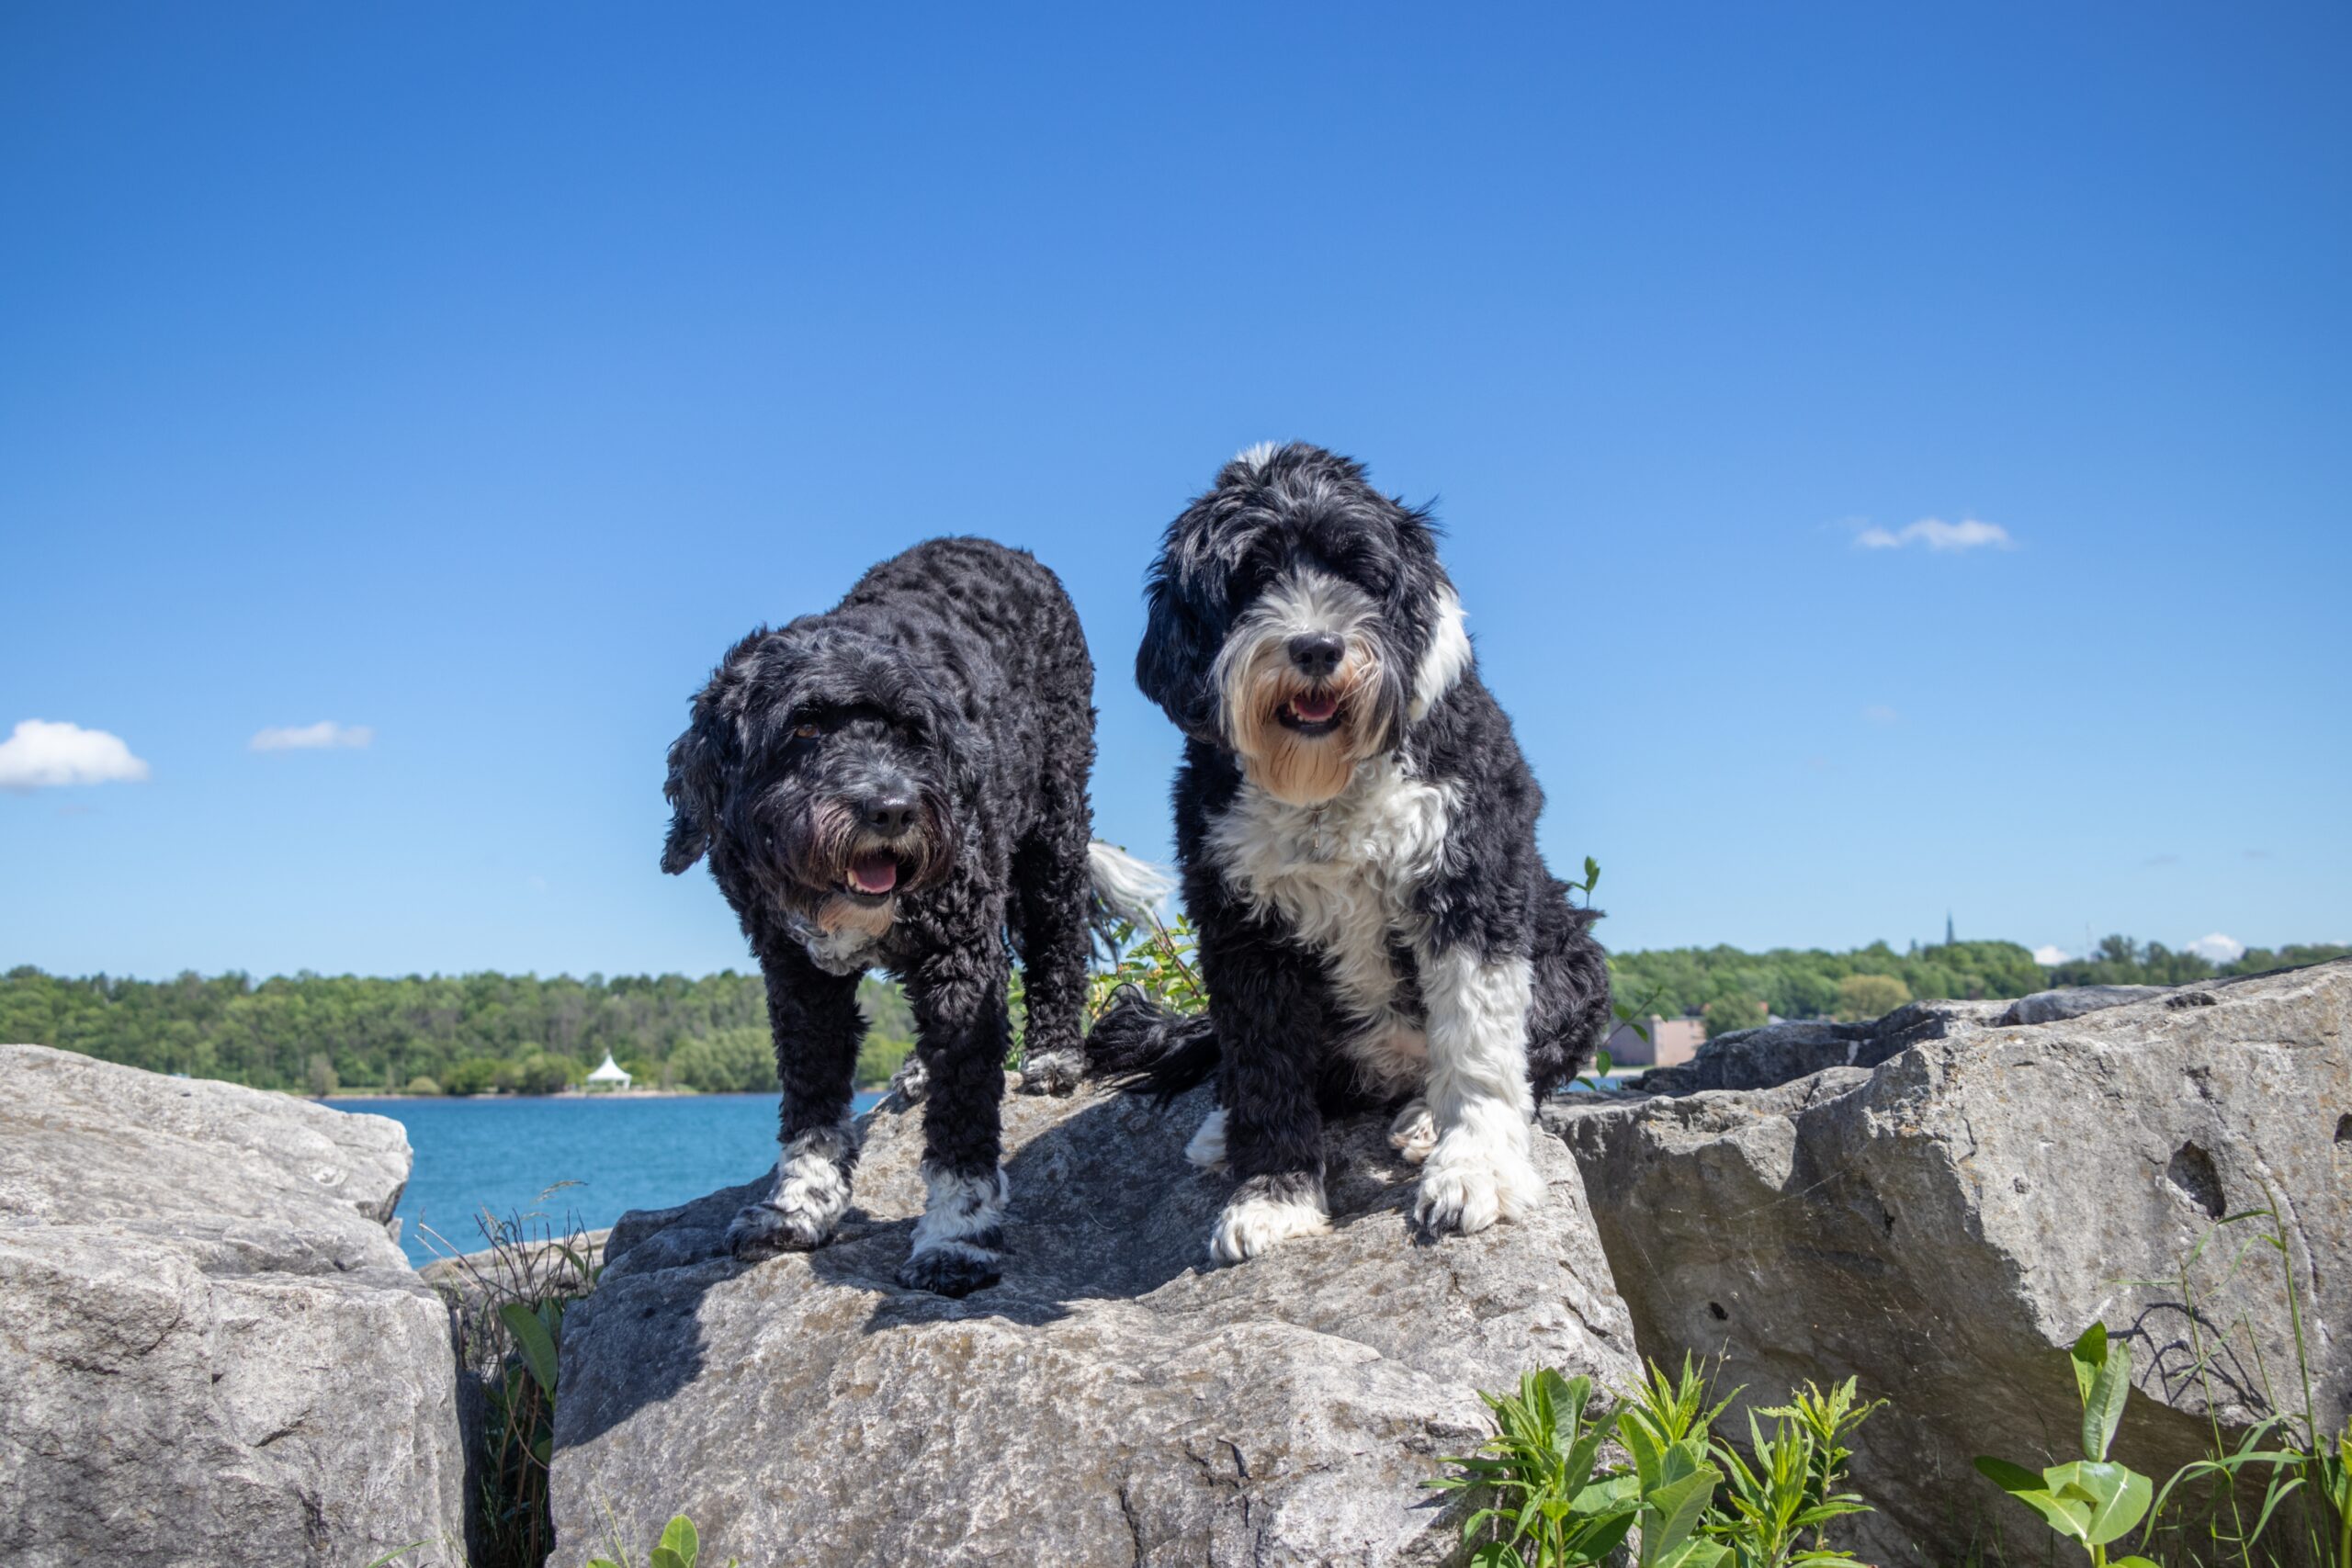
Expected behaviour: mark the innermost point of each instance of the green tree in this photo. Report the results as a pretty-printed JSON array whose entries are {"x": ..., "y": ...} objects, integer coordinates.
[
  {"x": 1864, "y": 996},
  {"x": 1735, "y": 1011},
  {"x": 732, "y": 1060}
]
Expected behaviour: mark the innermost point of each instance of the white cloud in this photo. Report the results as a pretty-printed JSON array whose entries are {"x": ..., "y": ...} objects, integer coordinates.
[
  {"x": 2049, "y": 956},
  {"x": 319, "y": 737},
  {"x": 2219, "y": 948},
  {"x": 1879, "y": 713},
  {"x": 1967, "y": 535},
  {"x": 42, "y": 755}
]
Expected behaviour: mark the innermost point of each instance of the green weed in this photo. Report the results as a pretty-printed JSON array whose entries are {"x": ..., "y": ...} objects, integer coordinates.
[
  {"x": 1695, "y": 1501},
  {"x": 511, "y": 1299}
]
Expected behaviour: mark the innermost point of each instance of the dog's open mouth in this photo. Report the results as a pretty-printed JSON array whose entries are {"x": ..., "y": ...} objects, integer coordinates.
[
  {"x": 1311, "y": 713},
  {"x": 873, "y": 873}
]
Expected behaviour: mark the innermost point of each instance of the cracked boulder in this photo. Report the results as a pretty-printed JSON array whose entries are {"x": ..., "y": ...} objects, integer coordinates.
[
  {"x": 211, "y": 1349},
  {"x": 1113, "y": 1401},
  {"x": 1943, "y": 1224}
]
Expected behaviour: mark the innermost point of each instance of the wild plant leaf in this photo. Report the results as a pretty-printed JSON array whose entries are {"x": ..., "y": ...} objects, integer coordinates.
[
  {"x": 2088, "y": 1355},
  {"x": 1649, "y": 1453},
  {"x": 2069, "y": 1517},
  {"x": 1605, "y": 1536},
  {"x": 679, "y": 1536},
  {"x": 2103, "y": 1405},
  {"x": 1616, "y": 1491},
  {"x": 532, "y": 1339},
  {"x": 2134, "y": 1561},
  {"x": 1693, "y": 1554},
  {"x": 2006, "y": 1476},
  {"x": 662, "y": 1557},
  {"x": 2117, "y": 1497},
  {"x": 1496, "y": 1554},
  {"x": 1673, "y": 1512}
]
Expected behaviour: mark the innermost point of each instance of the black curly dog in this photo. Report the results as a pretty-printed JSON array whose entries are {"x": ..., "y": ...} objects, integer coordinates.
[
  {"x": 1355, "y": 827},
  {"x": 901, "y": 783}
]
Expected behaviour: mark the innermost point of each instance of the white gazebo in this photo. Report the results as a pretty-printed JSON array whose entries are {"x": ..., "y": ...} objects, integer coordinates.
[{"x": 612, "y": 1074}]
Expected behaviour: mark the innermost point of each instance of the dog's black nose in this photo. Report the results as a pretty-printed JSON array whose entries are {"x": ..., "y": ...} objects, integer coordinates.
[
  {"x": 1317, "y": 653},
  {"x": 892, "y": 813}
]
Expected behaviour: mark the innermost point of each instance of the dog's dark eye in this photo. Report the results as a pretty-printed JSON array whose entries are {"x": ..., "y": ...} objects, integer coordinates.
[{"x": 806, "y": 731}]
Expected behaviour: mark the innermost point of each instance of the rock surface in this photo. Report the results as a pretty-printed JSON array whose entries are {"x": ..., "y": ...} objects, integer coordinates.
[
  {"x": 1944, "y": 1225},
  {"x": 211, "y": 1349},
  {"x": 1114, "y": 1401},
  {"x": 1782, "y": 1052}
]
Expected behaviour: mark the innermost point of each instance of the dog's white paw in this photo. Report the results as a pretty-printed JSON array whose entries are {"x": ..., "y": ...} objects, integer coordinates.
[
  {"x": 811, "y": 1196},
  {"x": 1207, "y": 1148},
  {"x": 763, "y": 1230},
  {"x": 1266, "y": 1211},
  {"x": 1471, "y": 1181},
  {"x": 1414, "y": 1132}
]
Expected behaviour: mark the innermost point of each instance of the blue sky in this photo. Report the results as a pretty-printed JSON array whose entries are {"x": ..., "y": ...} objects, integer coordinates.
[{"x": 472, "y": 376}]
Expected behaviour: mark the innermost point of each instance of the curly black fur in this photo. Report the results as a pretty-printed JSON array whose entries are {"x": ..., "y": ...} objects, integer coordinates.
[
  {"x": 901, "y": 783},
  {"x": 1355, "y": 828}
]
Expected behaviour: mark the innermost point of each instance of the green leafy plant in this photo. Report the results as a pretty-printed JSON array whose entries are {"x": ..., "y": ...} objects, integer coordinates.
[
  {"x": 511, "y": 1298},
  {"x": 1549, "y": 1504},
  {"x": 1791, "y": 1486},
  {"x": 1546, "y": 1506},
  {"x": 1159, "y": 959},
  {"x": 2090, "y": 1501},
  {"x": 679, "y": 1547},
  {"x": 2204, "y": 1507}
]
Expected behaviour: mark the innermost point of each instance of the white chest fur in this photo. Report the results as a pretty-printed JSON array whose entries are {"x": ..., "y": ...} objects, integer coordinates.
[{"x": 1341, "y": 877}]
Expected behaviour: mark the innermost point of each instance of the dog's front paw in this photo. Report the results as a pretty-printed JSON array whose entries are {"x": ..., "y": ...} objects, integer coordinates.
[
  {"x": 1470, "y": 1181},
  {"x": 1265, "y": 1210},
  {"x": 951, "y": 1268},
  {"x": 760, "y": 1231},
  {"x": 1052, "y": 1072},
  {"x": 1413, "y": 1134}
]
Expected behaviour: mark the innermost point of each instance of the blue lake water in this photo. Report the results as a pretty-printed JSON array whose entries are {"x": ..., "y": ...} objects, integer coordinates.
[{"x": 504, "y": 1154}]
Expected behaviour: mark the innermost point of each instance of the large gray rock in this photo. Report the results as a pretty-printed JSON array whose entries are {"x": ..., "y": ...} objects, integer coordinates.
[
  {"x": 1943, "y": 1226},
  {"x": 1111, "y": 1402},
  {"x": 211, "y": 1349},
  {"x": 2074, "y": 1002},
  {"x": 1782, "y": 1052}
]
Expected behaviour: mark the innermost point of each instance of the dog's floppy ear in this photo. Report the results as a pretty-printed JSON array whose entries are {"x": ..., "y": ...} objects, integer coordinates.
[
  {"x": 700, "y": 758},
  {"x": 1172, "y": 666}
]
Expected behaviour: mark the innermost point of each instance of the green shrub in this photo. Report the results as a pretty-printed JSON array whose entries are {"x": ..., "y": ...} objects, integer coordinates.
[
  {"x": 423, "y": 1085},
  {"x": 1727, "y": 1013},
  {"x": 1862, "y": 997},
  {"x": 731, "y": 1061},
  {"x": 1546, "y": 1504}
]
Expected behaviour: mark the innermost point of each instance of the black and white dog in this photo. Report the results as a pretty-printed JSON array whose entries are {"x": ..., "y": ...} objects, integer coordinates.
[
  {"x": 1356, "y": 832},
  {"x": 901, "y": 784}
]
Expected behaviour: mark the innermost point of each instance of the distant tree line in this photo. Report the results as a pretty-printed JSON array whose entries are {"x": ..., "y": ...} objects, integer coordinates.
[
  {"x": 458, "y": 1035},
  {"x": 1734, "y": 990},
  {"x": 478, "y": 1034}
]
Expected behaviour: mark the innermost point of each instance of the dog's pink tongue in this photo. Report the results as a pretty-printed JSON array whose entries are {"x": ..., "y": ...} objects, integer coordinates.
[
  {"x": 1314, "y": 709},
  {"x": 873, "y": 873}
]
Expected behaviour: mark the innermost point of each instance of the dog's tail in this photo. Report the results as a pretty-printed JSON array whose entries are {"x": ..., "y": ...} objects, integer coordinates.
[
  {"x": 1125, "y": 888},
  {"x": 1153, "y": 1047}
]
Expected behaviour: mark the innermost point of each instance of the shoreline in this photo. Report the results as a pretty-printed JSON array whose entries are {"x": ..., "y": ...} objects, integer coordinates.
[{"x": 572, "y": 1098}]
